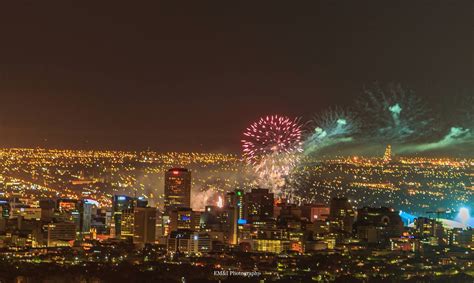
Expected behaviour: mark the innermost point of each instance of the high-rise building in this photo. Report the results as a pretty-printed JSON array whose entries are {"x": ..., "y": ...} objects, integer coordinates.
[
  {"x": 187, "y": 241},
  {"x": 120, "y": 203},
  {"x": 258, "y": 205},
  {"x": 341, "y": 214},
  {"x": 159, "y": 226},
  {"x": 236, "y": 199},
  {"x": 127, "y": 220},
  {"x": 235, "y": 214},
  {"x": 100, "y": 222},
  {"x": 181, "y": 218},
  {"x": 221, "y": 220},
  {"x": 66, "y": 205},
  {"x": 378, "y": 224},
  {"x": 123, "y": 213},
  {"x": 429, "y": 230},
  {"x": 232, "y": 225},
  {"x": 85, "y": 215},
  {"x": 144, "y": 226},
  {"x": 315, "y": 212},
  {"x": 26, "y": 212},
  {"x": 59, "y": 234},
  {"x": 47, "y": 209},
  {"x": 68, "y": 211},
  {"x": 177, "y": 188}
]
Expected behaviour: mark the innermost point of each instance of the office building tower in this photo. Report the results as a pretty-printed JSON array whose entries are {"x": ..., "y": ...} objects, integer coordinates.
[
  {"x": 177, "y": 188},
  {"x": 68, "y": 210},
  {"x": 258, "y": 205},
  {"x": 100, "y": 222},
  {"x": 181, "y": 218},
  {"x": 235, "y": 213},
  {"x": 235, "y": 199},
  {"x": 221, "y": 220},
  {"x": 315, "y": 212},
  {"x": 144, "y": 225},
  {"x": 120, "y": 203},
  {"x": 159, "y": 226},
  {"x": 85, "y": 215},
  {"x": 123, "y": 213},
  {"x": 186, "y": 241},
  {"x": 232, "y": 222},
  {"x": 60, "y": 234},
  {"x": 127, "y": 220},
  {"x": 47, "y": 209},
  {"x": 429, "y": 230},
  {"x": 376, "y": 225},
  {"x": 341, "y": 214},
  {"x": 66, "y": 205}
]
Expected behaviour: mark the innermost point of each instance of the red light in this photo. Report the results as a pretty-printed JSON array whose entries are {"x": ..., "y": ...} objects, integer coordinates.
[{"x": 175, "y": 172}]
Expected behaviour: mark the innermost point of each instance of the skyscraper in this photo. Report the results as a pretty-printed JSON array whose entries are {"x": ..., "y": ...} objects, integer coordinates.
[
  {"x": 66, "y": 205},
  {"x": 69, "y": 211},
  {"x": 60, "y": 233},
  {"x": 378, "y": 224},
  {"x": 181, "y": 218},
  {"x": 341, "y": 214},
  {"x": 144, "y": 225},
  {"x": 259, "y": 205},
  {"x": 127, "y": 220},
  {"x": 235, "y": 199},
  {"x": 122, "y": 209},
  {"x": 85, "y": 215},
  {"x": 47, "y": 209},
  {"x": 177, "y": 188},
  {"x": 120, "y": 203},
  {"x": 235, "y": 213}
]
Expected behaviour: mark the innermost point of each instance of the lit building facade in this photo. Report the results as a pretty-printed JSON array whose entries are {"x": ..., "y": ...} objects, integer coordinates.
[
  {"x": 122, "y": 213},
  {"x": 177, "y": 188}
]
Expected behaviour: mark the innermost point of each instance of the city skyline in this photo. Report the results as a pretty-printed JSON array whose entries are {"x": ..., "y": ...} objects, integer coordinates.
[
  {"x": 213, "y": 141},
  {"x": 97, "y": 211}
]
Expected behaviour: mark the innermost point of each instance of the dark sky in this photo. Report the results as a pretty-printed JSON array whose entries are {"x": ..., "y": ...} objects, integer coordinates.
[{"x": 192, "y": 76}]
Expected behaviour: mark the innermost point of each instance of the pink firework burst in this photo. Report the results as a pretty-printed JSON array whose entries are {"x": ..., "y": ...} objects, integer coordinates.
[{"x": 271, "y": 135}]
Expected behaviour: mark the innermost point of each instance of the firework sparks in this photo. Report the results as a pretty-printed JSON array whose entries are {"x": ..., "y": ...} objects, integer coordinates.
[
  {"x": 331, "y": 127},
  {"x": 394, "y": 113},
  {"x": 271, "y": 147},
  {"x": 220, "y": 202},
  {"x": 271, "y": 135}
]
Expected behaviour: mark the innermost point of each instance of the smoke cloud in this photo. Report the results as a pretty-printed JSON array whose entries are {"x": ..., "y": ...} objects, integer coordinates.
[{"x": 456, "y": 136}]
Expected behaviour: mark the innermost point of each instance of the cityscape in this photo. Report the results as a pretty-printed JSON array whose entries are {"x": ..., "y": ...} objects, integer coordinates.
[
  {"x": 107, "y": 212},
  {"x": 201, "y": 142}
]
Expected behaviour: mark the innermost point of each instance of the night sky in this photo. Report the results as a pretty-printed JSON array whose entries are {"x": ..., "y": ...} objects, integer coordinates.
[{"x": 191, "y": 77}]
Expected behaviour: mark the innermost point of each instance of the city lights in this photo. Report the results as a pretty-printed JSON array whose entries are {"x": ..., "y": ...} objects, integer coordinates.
[{"x": 318, "y": 141}]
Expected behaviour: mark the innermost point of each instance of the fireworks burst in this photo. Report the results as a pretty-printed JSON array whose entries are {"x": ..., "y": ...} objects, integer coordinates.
[
  {"x": 331, "y": 127},
  {"x": 271, "y": 135},
  {"x": 462, "y": 114},
  {"x": 271, "y": 147},
  {"x": 220, "y": 202},
  {"x": 394, "y": 114}
]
